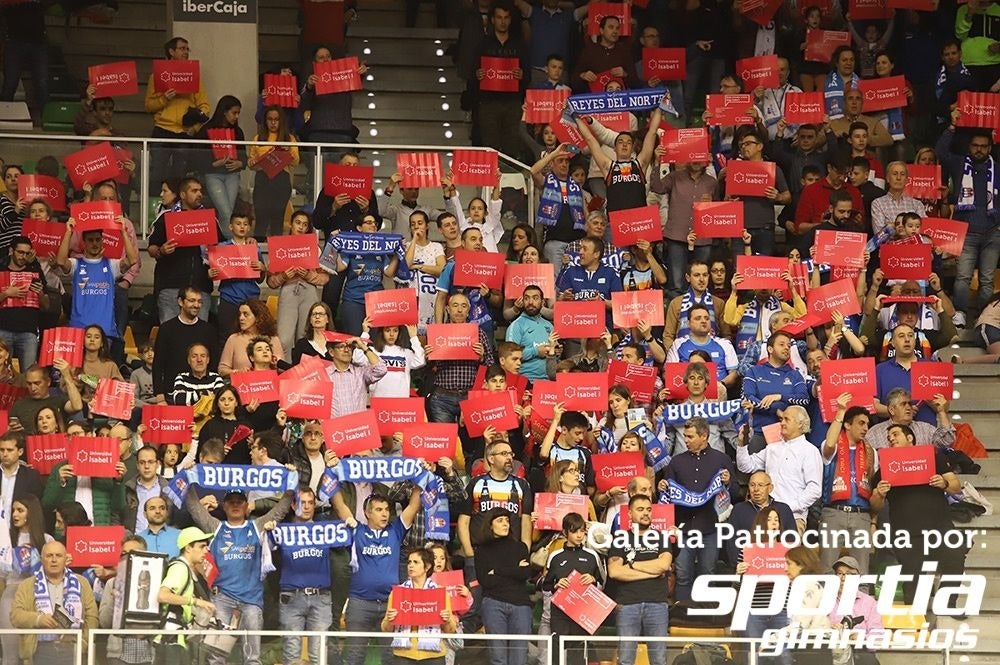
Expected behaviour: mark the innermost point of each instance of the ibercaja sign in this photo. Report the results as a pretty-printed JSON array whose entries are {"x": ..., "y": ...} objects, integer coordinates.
[{"x": 216, "y": 11}]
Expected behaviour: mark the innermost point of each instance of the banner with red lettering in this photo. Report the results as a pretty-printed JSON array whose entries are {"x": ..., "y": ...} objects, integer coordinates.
[
  {"x": 948, "y": 234},
  {"x": 759, "y": 71},
  {"x": 418, "y": 607},
  {"x": 544, "y": 106},
  {"x": 498, "y": 74},
  {"x": 65, "y": 343},
  {"x": 633, "y": 224},
  {"x": 673, "y": 380},
  {"x": 585, "y": 604},
  {"x": 907, "y": 465},
  {"x": 616, "y": 469},
  {"x": 804, "y": 108},
  {"x": 172, "y": 424},
  {"x": 398, "y": 414},
  {"x": 851, "y": 375},
  {"x": 639, "y": 379},
  {"x": 234, "y": 261},
  {"x": 114, "y": 398},
  {"x": 929, "y": 379},
  {"x": 22, "y": 280},
  {"x": 905, "y": 260},
  {"x": 587, "y": 391},
  {"x": 91, "y": 165},
  {"x": 519, "y": 276},
  {"x": 761, "y": 272},
  {"x": 431, "y": 441},
  {"x": 489, "y": 409},
  {"x": 478, "y": 268},
  {"x": 841, "y": 248},
  {"x": 223, "y": 150},
  {"x": 452, "y": 341},
  {"x": 765, "y": 559},
  {"x": 685, "y": 145},
  {"x": 728, "y": 110},
  {"x": 552, "y": 507},
  {"x": 746, "y": 178},
  {"x": 114, "y": 79},
  {"x": 31, "y": 187},
  {"x": 665, "y": 64},
  {"x": 840, "y": 296},
  {"x": 339, "y": 75},
  {"x": 260, "y": 385},
  {"x": 598, "y": 10},
  {"x": 292, "y": 251},
  {"x": 420, "y": 169},
  {"x": 281, "y": 90},
  {"x": 45, "y": 451},
  {"x": 718, "y": 219},
  {"x": 630, "y": 307},
  {"x": 95, "y": 216},
  {"x": 579, "y": 318},
  {"x": 354, "y": 181},
  {"x": 181, "y": 76},
  {"x": 95, "y": 456},
  {"x": 923, "y": 181},
  {"x": 869, "y": 10},
  {"x": 351, "y": 434},
  {"x": 94, "y": 545},
  {"x": 391, "y": 307},
  {"x": 311, "y": 400},
  {"x": 192, "y": 228},
  {"x": 475, "y": 167},
  {"x": 820, "y": 44},
  {"x": 662, "y": 517},
  {"x": 978, "y": 109},
  {"x": 882, "y": 94}
]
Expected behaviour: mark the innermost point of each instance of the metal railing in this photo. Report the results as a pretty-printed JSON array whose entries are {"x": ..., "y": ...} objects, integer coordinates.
[{"x": 141, "y": 149}]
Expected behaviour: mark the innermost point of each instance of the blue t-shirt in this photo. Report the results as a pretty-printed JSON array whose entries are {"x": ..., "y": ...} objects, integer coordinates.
[
  {"x": 236, "y": 550},
  {"x": 713, "y": 348},
  {"x": 377, "y": 556},
  {"x": 364, "y": 274},
  {"x": 306, "y": 566},
  {"x": 94, "y": 294}
]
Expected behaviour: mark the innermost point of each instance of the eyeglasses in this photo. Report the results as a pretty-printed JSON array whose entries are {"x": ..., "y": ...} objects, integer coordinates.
[
  {"x": 746, "y": 143},
  {"x": 505, "y": 453}
]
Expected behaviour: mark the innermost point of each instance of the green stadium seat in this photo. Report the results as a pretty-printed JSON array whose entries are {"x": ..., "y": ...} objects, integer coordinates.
[{"x": 58, "y": 117}]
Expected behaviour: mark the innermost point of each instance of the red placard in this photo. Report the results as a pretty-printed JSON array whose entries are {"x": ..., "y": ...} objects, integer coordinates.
[
  {"x": 579, "y": 318},
  {"x": 91, "y": 165},
  {"x": 489, "y": 409},
  {"x": 31, "y": 187},
  {"x": 192, "y": 228},
  {"x": 804, "y": 107},
  {"x": 170, "y": 424},
  {"x": 568, "y": 134},
  {"x": 281, "y": 90},
  {"x": 475, "y": 167},
  {"x": 9, "y": 393},
  {"x": 765, "y": 559},
  {"x": 292, "y": 251},
  {"x": 666, "y": 64},
  {"x": 122, "y": 155},
  {"x": 306, "y": 399},
  {"x": 223, "y": 150},
  {"x": 94, "y": 456},
  {"x": 552, "y": 507},
  {"x": 869, "y": 10},
  {"x": 477, "y": 268},
  {"x": 585, "y": 604},
  {"x": 340, "y": 75},
  {"x": 234, "y": 261},
  {"x": 916, "y": 5},
  {"x": 639, "y": 379},
  {"x": 352, "y": 433},
  {"x": 45, "y": 451},
  {"x": 274, "y": 161},
  {"x": 95, "y": 216},
  {"x": 728, "y": 110},
  {"x": 929, "y": 378},
  {"x": 430, "y": 441},
  {"x": 662, "y": 517},
  {"x": 851, "y": 375},
  {"x": 632, "y": 224},
  {"x": 420, "y": 169},
  {"x": 398, "y": 414},
  {"x": 258, "y": 384},
  {"x": 113, "y": 79},
  {"x": 948, "y": 234},
  {"x": 452, "y": 581},
  {"x": 759, "y": 71},
  {"x": 354, "y": 181},
  {"x": 761, "y": 272},
  {"x": 882, "y": 94},
  {"x": 630, "y": 307},
  {"x": 452, "y": 341},
  {"x": 838, "y": 296},
  {"x": 907, "y": 465},
  {"x": 544, "y": 395},
  {"x": 746, "y": 178},
  {"x": 978, "y": 109},
  {"x": 685, "y": 145},
  {"x": 673, "y": 380},
  {"x": 21, "y": 279},
  {"x": 820, "y": 44},
  {"x": 114, "y": 398},
  {"x": 498, "y": 74},
  {"x": 602, "y": 79},
  {"x": 598, "y": 10},
  {"x": 718, "y": 219},
  {"x": 94, "y": 545},
  {"x": 905, "y": 260},
  {"x": 391, "y": 307},
  {"x": 544, "y": 106},
  {"x": 181, "y": 76},
  {"x": 616, "y": 469},
  {"x": 841, "y": 248},
  {"x": 923, "y": 181},
  {"x": 760, "y": 12},
  {"x": 418, "y": 607},
  {"x": 619, "y": 122},
  {"x": 582, "y": 391},
  {"x": 66, "y": 343},
  {"x": 519, "y": 276}
]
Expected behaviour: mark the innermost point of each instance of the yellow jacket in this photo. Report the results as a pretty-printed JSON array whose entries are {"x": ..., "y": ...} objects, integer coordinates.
[
  {"x": 258, "y": 151},
  {"x": 24, "y": 615},
  {"x": 168, "y": 114},
  {"x": 732, "y": 313}
]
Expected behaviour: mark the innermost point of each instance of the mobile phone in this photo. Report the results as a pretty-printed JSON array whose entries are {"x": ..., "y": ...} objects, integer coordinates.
[{"x": 573, "y": 148}]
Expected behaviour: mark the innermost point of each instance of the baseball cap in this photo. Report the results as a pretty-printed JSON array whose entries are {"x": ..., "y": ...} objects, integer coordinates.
[
  {"x": 848, "y": 561},
  {"x": 235, "y": 494},
  {"x": 191, "y": 534}
]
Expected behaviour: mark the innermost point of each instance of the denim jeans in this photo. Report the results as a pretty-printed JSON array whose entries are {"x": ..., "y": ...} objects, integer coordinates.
[
  {"x": 554, "y": 251},
  {"x": 20, "y": 55},
  {"x": 677, "y": 263},
  {"x": 638, "y": 620},
  {"x": 692, "y": 562},
  {"x": 302, "y": 612},
  {"x": 506, "y": 618},
  {"x": 981, "y": 250},
  {"x": 168, "y": 307},
  {"x": 23, "y": 346},
  {"x": 703, "y": 75},
  {"x": 365, "y": 616},
  {"x": 442, "y": 407},
  {"x": 252, "y": 619},
  {"x": 758, "y": 624},
  {"x": 223, "y": 188},
  {"x": 472, "y": 620}
]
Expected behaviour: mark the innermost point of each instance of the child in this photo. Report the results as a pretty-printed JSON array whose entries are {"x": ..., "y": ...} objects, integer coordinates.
[
  {"x": 870, "y": 45},
  {"x": 298, "y": 289},
  {"x": 565, "y": 441},
  {"x": 169, "y": 456},
  {"x": 483, "y": 216},
  {"x": 233, "y": 292},
  {"x": 554, "y": 68},
  {"x": 142, "y": 379},
  {"x": 812, "y": 75},
  {"x": 857, "y": 140}
]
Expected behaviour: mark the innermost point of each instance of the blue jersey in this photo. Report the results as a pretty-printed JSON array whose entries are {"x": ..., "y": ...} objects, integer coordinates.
[
  {"x": 724, "y": 356},
  {"x": 479, "y": 308},
  {"x": 364, "y": 274},
  {"x": 586, "y": 284},
  {"x": 377, "y": 556},
  {"x": 766, "y": 379},
  {"x": 94, "y": 294},
  {"x": 306, "y": 565},
  {"x": 236, "y": 550}
]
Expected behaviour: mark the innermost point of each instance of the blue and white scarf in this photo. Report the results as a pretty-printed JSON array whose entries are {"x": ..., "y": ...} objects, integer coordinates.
[
  {"x": 72, "y": 600},
  {"x": 679, "y": 495},
  {"x": 365, "y": 244},
  {"x": 324, "y": 535},
  {"x": 380, "y": 470},
  {"x": 640, "y": 99},
  {"x": 425, "y": 641},
  {"x": 833, "y": 93},
  {"x": 967, "y": 193},
  {"x": 753, "y": 324},
  {"x": 678, "y": 414},
  {"x": 689, "y": 299},
  {"x": 942, "y": 78},
  {"x": 242, "y": 477},
  {"x": 553, "y": 199},
  {"x": 437, "y": 520},
  {"x": 892, "y": 120}
]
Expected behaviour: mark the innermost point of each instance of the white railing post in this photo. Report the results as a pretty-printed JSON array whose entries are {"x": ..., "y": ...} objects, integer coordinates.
[{"x": 144, "y": 173}]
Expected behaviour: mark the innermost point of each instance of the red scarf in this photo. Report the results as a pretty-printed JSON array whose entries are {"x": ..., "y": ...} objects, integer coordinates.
[{"x": 841, "y": 490}]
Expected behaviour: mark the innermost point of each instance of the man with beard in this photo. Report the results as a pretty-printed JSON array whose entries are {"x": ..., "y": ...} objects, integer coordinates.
[
  {"x": 895, "y": 373},
  {"x": 534, "y": 334},
  {"x": 700, "y": 337},
  {"x": 697, "y": 294},
  {"x": 772, "y": 386},
  {"x": 21, "y": 303}
]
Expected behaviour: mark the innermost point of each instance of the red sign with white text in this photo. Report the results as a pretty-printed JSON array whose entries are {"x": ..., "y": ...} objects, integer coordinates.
[
  {"x": 685, "y": 145},
  {"x": 662, "y": 517},
  {"x": 94, "y": 545},
  {"x": 840, "y": 296},
  {"x": 907, "y": 465},
  {"x": 632, "y": 224},
  {"x": 65, "y": 343},
  {"x": 354, "y": 181},
  {"x": 585, "y": 604},
  {"x": 905, "y": 260},
  {"x": 727, "y": 110},
  {"x": 598, "y": 10},
  {"x": 21, "y": 279},
  {"x": 552, "y": 507},
  {"x": 181, "y": 76},
  {"x": 928, "y": 379},
  {"x": 391, "y": 307},
  {"x": 352, "y": 433},
  {"x": 478, "y": 268},
  {"x": 718, "y": 219},
  {"x": 544, "y": 106},
  {"x": 192, "y": 228},
  {"x": 978, "y": 109},
  {"x": 869, "y": 10},
  {"x": 639, "y": 379},
  {"x": 340, "y": 75},
  {"x": 430, "y": 441},
  {"x": 95, "y": 456},
  {"x": 665, "y": 64},
  {"x": 452, "y": 341},
  {"x": 259, "y": 384},
  {"x": 747, "y": 178},
  {"x": 420, "y": 169},
  {"x": 281, "y": 90},
  {"x": 585, "y": 391},
  {"x": 498, "y": 74},
  {"x": 759, "y": 71},
  {"x": 475, "y": 167},
  {"x": 616, "y": 469},
  {"x": 169, "y": 424},
  {"x": 948, "y": 234},
  {"x": 804, "y": 107},
  {"x": 234, "y": 261},
  {"x": 453, "y": 581},
  {"x": 851, "y": 375},
  {"x": 579, "y": 318},
  {"x": 923, "y": 181},
  {"x": 274, "y": 161},
  {"x": 31, "y": 187},
  {"x": 224, "y": 149},
  {"x": 306, "y": 399},
  {"x": 519, "y": 276},
  {"x": 489, "y": 409},
  {"x": 544, "y": 395},
  {"x": 418, "y": 607},
  {"x": 398, "y": 414},
  {"x": 113, "y": 79},
  {"x": 820, "y": 44},
  {"x": 761, "y": 272},
  {"x": 673, "y": 380},
  {"x": 292, "y": 251},
  {"x": 841, "y": 248},
  {"x": 882, "y": 94},
  {"x": 95, "y": 216},
  {"x": 91, "y": 165},
  {"x": 114, "y": 398},
  {"x": 765, "y": 559},
  {"x": 45, "y": 451},
  {"x": 630, "y": 307}
]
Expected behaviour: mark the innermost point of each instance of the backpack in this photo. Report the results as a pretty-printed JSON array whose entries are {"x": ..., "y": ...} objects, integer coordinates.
[{"x": 704, "y": 654}]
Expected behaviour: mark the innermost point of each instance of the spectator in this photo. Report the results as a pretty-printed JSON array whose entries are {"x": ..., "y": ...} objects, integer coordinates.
[
  {"x": 895, "y": 201},
  {"x": 271, "y": 195},
  {"x": 17, "y": 479},
  {"x": 758, "y": 211},
  {"x": 480, "y": 299},
  {"x": 952, "y": 78},
  {"x": 351, "y": 382},
  {"x": 770, "y": 102},
  {"x": 139, "y": 490},
  {"x": 553, "y": 32},
  {"x": 254, "y": 320},
  {"x": 330, "y": 118},
  {"x": 399, "y": 348},
  {"x": 649, "y": 37},
  {"x": 222, "y": 175},
  {"x": 560, "y": 207},
  {"x": 25, "y": 410},
  {"x": 482, "y": 216},
  {"x": 454, "y": 378},
  {"x": 607, "y": 52},
  {"x": 815, "y": 198},
  {"x": 181, "y": 593},
  {"x": 878, "y": 136},
  {"x": 232, "y": 291},
  {"x": 974, "y": 25},
  {"x": 190, "y": 386},
  {"x": 19, "y": 320},
  {"x": 684, "y": 186},
  {"x": 534, "y": 334},
  {"x": 363, "y": 273},
  {"x": 425, "y": 260},
  {"x": 498, "y": 114},
  {"x": 590, "y": 280},
  {"x": 705, "y": 29},
  {"x": 299, "y": 293},
  {"x": 772, "y": 386},
  {"x": 758, "y": 499},
  {"x": 895, "y": 372},
  {"x": 795, "y": 154},
  {"x": 177, "y": 335},
  {"x": 840, "y": 79},
  {"x": 313, "y": 341},
  {"x": 159, "y": 536},
  {"x": 399, "y": 216}
]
